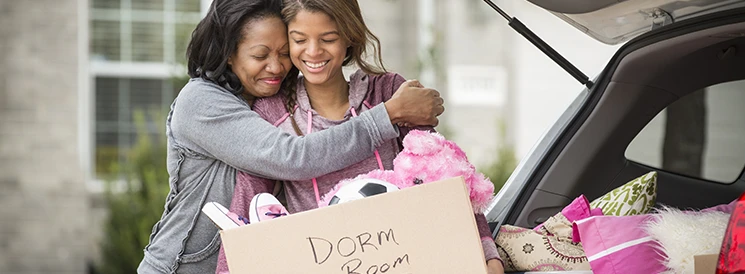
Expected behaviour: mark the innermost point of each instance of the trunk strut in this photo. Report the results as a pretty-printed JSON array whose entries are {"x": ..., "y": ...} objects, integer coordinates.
[{"x": 540, "y": 44}]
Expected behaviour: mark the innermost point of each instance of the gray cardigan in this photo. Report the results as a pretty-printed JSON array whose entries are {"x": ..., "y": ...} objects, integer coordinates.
[{"x": 211, "y": 133}]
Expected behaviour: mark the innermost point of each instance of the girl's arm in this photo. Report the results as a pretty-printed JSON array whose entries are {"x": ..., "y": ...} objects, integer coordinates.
[{"x": 487, "y": 242}]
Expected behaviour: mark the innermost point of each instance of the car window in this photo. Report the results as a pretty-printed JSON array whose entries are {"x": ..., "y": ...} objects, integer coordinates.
[{"x": 700, "y": 135}]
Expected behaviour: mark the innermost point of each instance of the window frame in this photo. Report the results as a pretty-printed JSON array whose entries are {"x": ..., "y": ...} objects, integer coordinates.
[
  {"x": 89, "y": 69},
  {"x": 639, "y": 159}
]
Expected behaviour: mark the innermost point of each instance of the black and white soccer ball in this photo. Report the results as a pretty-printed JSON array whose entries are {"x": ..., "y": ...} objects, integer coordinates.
[{"x": 361, "y": 188}]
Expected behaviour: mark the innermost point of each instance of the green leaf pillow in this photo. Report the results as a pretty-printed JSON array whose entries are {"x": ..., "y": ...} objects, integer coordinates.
[{"x": 635, "y": 197}]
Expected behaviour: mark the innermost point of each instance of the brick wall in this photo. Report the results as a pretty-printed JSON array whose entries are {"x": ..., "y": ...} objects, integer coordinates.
[{"x": 43, "y": 201}]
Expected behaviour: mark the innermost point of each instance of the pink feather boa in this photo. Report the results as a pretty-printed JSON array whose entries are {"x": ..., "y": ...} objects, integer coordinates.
[{"x": 429, "y": 157}]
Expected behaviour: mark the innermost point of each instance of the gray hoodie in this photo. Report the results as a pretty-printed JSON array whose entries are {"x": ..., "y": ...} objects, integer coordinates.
[{"x": 211, "y": 133}]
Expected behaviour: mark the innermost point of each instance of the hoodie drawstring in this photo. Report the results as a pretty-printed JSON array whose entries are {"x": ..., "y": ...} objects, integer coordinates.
[{"x": 310, "y": 129}]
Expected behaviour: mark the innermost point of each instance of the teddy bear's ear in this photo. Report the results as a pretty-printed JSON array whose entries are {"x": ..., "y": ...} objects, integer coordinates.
[
  {"x": 421, "y": 142},
  {"x": 457, "y": 151}
]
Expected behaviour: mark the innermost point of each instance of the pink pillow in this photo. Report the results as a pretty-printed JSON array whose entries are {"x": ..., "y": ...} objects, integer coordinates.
[
  {"x": 577, "y": 210},
  {"x": 580, "y": 209},
  {"x": 722, "y": 208},
  {"x": 619, "y": 244}
]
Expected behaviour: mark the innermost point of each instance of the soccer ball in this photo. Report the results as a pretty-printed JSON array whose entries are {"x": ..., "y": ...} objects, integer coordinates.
[{"x": 361, "y": 188}]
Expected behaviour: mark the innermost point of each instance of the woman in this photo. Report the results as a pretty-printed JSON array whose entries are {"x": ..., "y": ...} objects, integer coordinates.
[
  {"x": 326, "y": 35},
  {"x": 239, "y": 52}
]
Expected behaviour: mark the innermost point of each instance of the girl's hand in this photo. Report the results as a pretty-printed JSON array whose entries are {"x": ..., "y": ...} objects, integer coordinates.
[{"x": 494, "y": 266}]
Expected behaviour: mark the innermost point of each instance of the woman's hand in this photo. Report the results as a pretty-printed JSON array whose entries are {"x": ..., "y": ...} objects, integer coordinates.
[
  {"x": 494, "y": 266},
  {"x": 415, "y": 105}
]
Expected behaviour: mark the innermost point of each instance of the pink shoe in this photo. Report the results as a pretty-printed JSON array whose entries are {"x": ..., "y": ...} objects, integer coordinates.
[
  {"x": 238, "y": 219},
  {"x": 265, "y": 206}
]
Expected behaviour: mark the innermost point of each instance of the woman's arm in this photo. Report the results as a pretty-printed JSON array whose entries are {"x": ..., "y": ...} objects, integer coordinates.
[
  {"x": 213, "y": 122},
  {"x": 416, "y": 103},
  {"x": 384, "y": 88}
]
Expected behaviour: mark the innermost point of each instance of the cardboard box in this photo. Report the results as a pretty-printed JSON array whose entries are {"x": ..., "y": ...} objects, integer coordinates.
[
  {"x": 424, "y": 229},
  {"x": 705, "y": 264}
]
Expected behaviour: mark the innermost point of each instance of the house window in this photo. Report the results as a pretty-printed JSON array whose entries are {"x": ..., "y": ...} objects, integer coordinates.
[
  {"x": 137, "y": 56},
  {"x": 118, "y": 101},
  {"x": 701, "y": 135},
  {"x": 142, "y": 30}
]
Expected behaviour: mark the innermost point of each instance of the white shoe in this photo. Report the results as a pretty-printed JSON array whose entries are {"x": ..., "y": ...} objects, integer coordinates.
[
  {"x": 221, "y": 217},
  {"x": 265, "y": 206}
]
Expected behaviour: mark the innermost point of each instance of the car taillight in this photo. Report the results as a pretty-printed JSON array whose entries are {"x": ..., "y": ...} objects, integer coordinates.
[{"x": 732, "y": 255}]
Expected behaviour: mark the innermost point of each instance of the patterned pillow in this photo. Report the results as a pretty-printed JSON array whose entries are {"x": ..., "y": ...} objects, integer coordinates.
[
  {"x": 549, "y": 249},
  {"x": 635, "y": 197}
]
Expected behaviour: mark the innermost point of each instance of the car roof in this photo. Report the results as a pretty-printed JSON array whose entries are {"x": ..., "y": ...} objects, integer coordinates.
[{"x": 617, "y": 21}]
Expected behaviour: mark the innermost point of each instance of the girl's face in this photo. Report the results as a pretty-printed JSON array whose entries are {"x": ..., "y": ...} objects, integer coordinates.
[
  {"x": 316, "y": 47},
  {"x": 262, "y": 58}
]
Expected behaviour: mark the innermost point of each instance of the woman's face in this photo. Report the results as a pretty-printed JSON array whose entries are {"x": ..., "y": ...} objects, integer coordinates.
[
  {"x": 262, "y": 59},
  {"x": 316, "y": 47}
]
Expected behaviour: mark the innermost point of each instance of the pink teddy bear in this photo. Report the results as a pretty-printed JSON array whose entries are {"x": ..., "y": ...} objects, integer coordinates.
[{"x": 429, "y": 157}]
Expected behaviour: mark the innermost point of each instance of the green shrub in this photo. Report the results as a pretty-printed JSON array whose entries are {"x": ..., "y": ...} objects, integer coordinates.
[
  {"x": 504, "y": 163},
  {"x": 501, "y": 168},
  {"x": 135, "y": 199}
]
